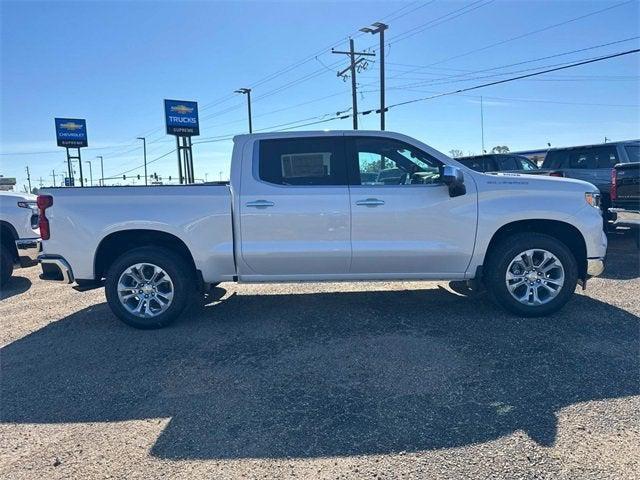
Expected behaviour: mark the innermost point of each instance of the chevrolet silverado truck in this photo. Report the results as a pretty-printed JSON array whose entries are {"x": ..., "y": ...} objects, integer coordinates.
[
  {"x": 19, "y": 236},
  {"x": 298, "y": 209}
]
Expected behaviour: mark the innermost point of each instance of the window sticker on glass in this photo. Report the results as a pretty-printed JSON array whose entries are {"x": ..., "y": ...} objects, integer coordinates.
[{"x": 296, "y": 165}]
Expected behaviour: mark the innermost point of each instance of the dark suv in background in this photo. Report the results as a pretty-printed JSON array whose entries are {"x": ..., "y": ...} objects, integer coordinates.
[
  {"x": 593, "y": 164},
  {"x": 499, "y": 162}
]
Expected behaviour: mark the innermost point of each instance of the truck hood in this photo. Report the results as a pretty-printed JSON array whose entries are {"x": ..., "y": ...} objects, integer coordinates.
[
  {"x": 27, "y": 197},
  {"x": 542, "y": 181}
]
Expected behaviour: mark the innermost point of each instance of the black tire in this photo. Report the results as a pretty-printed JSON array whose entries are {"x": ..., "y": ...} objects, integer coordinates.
[
  {"x": 179, "y": 270},
  {"x": 501, "y": 255},
  {"x": 6, "y": 264}
]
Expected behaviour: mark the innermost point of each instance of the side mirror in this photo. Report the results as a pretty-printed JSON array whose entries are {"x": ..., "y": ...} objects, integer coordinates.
[{"x": 454, "y": 179}]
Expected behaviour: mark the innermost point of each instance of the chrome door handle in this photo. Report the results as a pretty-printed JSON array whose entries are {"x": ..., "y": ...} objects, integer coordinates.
[
  {"x": 260, "y": 204},
  {"x": 370, "y": 202}
]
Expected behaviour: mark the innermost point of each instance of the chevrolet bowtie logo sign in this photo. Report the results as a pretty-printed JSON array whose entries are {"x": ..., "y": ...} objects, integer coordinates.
[
  {"x": 71, "y": 126},
  {"x": 71, "y": 132},
  {"x": 182, "y": 109},
  {"x": 181, "y": 118}
]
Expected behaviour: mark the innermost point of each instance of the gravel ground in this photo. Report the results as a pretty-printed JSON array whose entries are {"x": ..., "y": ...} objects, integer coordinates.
[{"x": 336, "y": 380}]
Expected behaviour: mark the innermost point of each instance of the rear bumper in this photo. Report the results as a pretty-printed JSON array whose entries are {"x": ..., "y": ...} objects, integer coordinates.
[
  {"x": 55, "y": 269},
  {"x": 28, "y": 251},
  {"x": 626, "y": 218}
]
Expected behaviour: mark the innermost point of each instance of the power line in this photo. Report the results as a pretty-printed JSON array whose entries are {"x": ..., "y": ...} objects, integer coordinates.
[
  {"x": 439, "y": 20},
  {"x": 497, "y": 82},
  {"x": 468, "y": 72},
  {"x": 524, "y": 35}
]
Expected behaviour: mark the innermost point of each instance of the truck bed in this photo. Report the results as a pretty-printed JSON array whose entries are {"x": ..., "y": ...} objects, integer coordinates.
[{"x": 197, "y": 215}]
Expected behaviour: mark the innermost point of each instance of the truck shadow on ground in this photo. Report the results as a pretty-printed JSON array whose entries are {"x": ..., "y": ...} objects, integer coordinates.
[
  {"x": 16, "y": 286},
  {"x": 310, "y": 375},
  {"x": 623, "y": 256}
]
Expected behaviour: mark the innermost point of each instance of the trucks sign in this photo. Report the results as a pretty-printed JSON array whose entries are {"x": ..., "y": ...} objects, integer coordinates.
[
  {"x": 71, "y": 132},
  {"x": 181, "y": 118}
]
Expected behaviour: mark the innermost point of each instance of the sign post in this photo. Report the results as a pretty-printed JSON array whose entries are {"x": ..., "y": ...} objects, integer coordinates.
[
  {"x": 72, "y": 133},
  {"x": 181, "y": 119}
]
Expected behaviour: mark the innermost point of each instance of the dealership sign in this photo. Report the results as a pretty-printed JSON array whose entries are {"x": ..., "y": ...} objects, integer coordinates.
[
  {"x": 181, "y": 118},
  {"x": 71, "y": 132}
]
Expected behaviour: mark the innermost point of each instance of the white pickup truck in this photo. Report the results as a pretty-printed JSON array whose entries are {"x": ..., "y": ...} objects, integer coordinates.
[
  {"x": 317, "y": 206},
  {"x": 19, "y": 236}
]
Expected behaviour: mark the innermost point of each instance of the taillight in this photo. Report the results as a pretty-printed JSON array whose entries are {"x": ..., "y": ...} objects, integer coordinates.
[
  {"x": 556, "y": 173},
  {"x": 614, "y": 184},
  {"x": 44, "y": 202}
]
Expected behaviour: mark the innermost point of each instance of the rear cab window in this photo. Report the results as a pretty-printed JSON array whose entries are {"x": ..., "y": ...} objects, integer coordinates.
[{"x": 302, "y": 161}]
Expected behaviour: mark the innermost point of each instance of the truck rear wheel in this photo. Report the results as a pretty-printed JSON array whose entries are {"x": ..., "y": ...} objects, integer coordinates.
[
  {"x": 531, "y": 274},
  {"x": 6, "y": 264},
  {"x": 149, "y": 287}
]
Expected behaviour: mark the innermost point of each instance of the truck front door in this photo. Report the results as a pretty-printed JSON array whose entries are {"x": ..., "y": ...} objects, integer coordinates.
[
  {"x": 405, "y": 222},
  {"x": 294, "y": 207}
]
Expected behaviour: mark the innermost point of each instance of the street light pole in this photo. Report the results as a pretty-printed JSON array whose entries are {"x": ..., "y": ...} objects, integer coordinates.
[
  {"x": 90, "y": 172},
  {"x": 247, "y": 92},
  {"x": 101, "y": 170},
  {"x": 380, "y": 28},
  {"x": 144, "y": 149}
]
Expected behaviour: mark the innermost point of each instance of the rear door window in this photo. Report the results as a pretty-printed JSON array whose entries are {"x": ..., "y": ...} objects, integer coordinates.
[
  {"x": 303, "y": 161},
  {"x": 506, "y": 162},
  {"x": 490, "y": 165},
  {"x": 593, "y": 157},
  {"x": 556, "y": 159},
  {"x": 474, "y": 163},
  {"x": 582, "y": 159},
  {"x": 606, "y": 157}
]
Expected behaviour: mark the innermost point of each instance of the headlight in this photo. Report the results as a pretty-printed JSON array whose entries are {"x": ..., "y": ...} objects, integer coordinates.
[
  {"x": 593, "y": 199},
  {"x": 29, "y": 204}
]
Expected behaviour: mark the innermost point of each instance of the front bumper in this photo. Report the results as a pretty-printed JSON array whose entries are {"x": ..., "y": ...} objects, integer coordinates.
[
  {"x": 28, "y": 251},
  {"x": 595, "y": 266},
  {"x": 626, "y": 218},
  {"x": 56, "y": 269}
]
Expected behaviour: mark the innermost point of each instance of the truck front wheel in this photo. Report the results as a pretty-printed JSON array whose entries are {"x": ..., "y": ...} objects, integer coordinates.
[
  {"x": 531, "y": 274},
  {"x": 6, "y": 264},
  {"x": 149, "y": 287}
]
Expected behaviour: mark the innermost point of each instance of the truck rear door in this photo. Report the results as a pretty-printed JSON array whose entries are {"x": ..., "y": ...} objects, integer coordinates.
[{"x": 294, "y": 207}]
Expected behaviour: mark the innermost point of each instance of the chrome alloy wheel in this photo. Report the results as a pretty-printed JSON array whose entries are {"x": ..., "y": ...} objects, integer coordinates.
[
  {"x": 535, "y": 277},
  {"x": 145, "y": 290}
]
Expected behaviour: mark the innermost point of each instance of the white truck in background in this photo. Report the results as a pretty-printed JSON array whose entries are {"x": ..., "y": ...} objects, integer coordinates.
[
  {"x": 19, "y": 235},
  {"x": 304, "y": 206}
]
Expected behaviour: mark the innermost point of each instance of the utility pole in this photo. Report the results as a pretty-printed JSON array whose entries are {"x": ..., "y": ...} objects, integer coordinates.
[
  {"x": 352, "y": 67},
  {"x": 379, "y": 27},
  {"x": 247, "y": 92},
  {"x": 53, "y": 175},
  {"x": 90, "y": 172},
  {"x": 41, "y": 182},
  {"x": 144, "y": 150},
  {"x": 101, "y": 170},
  {"x": 29, "y": 178},
  {"x": 482, "y": 123}
]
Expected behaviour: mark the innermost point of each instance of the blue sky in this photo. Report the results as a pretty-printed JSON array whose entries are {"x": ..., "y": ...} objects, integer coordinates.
[{"x": 114, "y": 62}]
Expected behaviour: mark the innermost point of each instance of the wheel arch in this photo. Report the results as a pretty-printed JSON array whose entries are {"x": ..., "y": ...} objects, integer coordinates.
[
  {"x": 117, "y": 243},
  {"x": 563, "y": 231}
]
